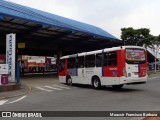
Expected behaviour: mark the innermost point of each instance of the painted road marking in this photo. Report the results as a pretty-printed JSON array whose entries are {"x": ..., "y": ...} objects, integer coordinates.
[
  {"x": 3, "y": 101},
  {"x": 61, "y": 86},
  {"x": 40, "y": 88},
  {"x": 17, "y": 99},
  {"x": 52, "y": 88}
]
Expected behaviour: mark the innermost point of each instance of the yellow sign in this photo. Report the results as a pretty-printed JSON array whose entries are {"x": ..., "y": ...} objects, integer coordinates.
[{"x": 21, "y": 45}]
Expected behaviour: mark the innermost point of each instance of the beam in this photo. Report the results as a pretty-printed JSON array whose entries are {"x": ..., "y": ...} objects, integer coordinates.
[
  {"x": 20, "y": 29},
  {"x": 79, "y": 46},
  {"x": 19, "y": 24},
  {"x": 52, "y": 39},
  {"x": 27, "y": 33},
  {"x": 1, "y": 17},
  {"x": 37, "y": 52}
]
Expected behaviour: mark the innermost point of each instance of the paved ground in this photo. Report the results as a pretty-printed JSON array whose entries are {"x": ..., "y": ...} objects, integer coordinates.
[
  {"x": 152, "y": 73},
  {"x": 24, "y": 89},
  {"x": 34, "y": 80},
  {"x": 48, "y": 95}
]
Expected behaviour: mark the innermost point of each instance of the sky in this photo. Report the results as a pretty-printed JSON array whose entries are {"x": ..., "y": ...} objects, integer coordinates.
[{"x": 110, "y": 15}]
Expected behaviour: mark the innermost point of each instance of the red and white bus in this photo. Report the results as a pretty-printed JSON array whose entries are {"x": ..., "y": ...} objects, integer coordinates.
[{"x": 111, "y": 66}]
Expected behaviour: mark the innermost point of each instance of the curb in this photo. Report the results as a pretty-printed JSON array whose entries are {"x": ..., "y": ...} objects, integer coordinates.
[
  {"x": 27, "y": 89},
  {"x": 10, "y": 87}
]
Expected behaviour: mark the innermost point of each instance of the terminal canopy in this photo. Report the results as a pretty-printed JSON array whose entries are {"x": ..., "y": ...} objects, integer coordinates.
[{"x": 44, "y": 33}]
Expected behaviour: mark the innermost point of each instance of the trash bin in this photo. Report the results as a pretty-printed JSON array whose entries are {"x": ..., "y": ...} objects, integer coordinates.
[
  {"x": 3, "y": 74},
  {"x": 4, "y": 79}
]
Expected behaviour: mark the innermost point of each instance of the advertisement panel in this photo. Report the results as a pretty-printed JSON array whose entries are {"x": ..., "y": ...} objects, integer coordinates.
[
  {"x": 3, "y": 69},
  {"x": 10, "y": 55},
  {"x": 3, "y": 74}
]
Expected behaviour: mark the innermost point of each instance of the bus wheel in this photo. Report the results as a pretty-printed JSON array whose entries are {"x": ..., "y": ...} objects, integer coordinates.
[
  {"x": 117, "y": 86},
  {"x": 96, "y": 83},
  {"x": 69, "y": 81}
]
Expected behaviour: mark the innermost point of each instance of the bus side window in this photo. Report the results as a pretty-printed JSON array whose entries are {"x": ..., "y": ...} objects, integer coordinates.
[
  {"x": 61, "y": 65},
  {"x": 112, "y": 58},
  {"x": 99, "y": 60},
  {"x": 71, "y": 63},
  {"x": 89, "y": 61},
  {"x": 105, "y": 59},
  {"x": 80, "y": 62}
]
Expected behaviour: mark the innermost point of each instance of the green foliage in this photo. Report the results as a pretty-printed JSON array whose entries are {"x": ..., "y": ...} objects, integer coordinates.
[
  {"x": 137, "y": 37},
  {"x": 154, "y": 42}
]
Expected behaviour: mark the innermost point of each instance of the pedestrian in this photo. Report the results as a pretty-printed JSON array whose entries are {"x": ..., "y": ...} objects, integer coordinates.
[{"x": 22, "y": 68}]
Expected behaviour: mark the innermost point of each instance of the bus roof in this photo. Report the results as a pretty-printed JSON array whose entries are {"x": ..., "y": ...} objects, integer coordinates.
[{"x": 100, "y": 51}]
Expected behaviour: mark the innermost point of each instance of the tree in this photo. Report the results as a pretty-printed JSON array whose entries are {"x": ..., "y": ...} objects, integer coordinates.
[
  {"x": 137, "y": 37},
  {"x": 141, "y": 37}
]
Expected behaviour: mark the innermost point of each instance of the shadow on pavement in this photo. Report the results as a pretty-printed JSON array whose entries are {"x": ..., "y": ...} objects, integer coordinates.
[{"x": 107, "y": 88}]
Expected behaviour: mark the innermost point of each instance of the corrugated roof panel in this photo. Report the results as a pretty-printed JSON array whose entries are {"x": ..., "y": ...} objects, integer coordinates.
[{"x": 27, "y": 13}]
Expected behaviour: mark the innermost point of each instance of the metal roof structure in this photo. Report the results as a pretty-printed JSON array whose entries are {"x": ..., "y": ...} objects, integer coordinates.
[{"x": 45, "y": 33}]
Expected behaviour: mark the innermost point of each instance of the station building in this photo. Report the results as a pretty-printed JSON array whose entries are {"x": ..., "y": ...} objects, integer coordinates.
[
  {"x": 39, "y": 33},
  {"x": 46, "y": 34}
]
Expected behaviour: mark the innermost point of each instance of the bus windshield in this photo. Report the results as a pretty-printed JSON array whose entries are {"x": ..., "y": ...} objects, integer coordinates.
[{"x": 135, "y": 56}]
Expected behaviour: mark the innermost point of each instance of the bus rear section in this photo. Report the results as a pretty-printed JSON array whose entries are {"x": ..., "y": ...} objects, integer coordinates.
[{"x": 135, "y": 70}]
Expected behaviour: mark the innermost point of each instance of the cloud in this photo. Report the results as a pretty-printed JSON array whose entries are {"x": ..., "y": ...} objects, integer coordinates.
[{"x": 110, "y": 15}]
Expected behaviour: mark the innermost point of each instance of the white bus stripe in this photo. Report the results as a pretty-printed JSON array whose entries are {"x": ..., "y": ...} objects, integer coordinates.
[
  {"x": 40, "y": 88},
  {"x": 61, "y": 86},
  {"x": 52, "y": 88},
  {"x": 17, "y": 99},
  {"x": 3, "y": 101}
]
